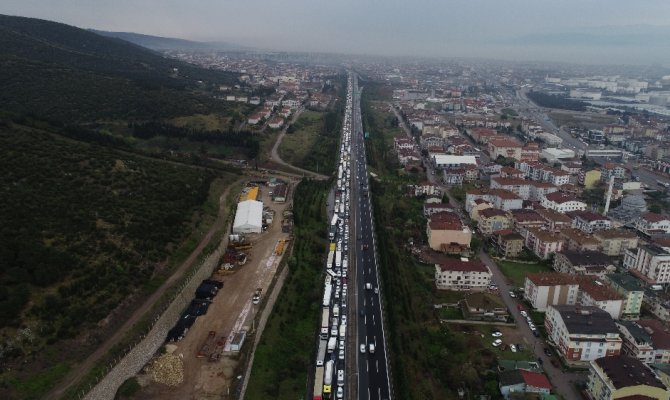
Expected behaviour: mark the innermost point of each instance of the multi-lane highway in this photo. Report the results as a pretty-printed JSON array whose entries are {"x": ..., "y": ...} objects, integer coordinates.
[
  {"x": 373, "y": 367},
  {"x": 351, "y": 350}
]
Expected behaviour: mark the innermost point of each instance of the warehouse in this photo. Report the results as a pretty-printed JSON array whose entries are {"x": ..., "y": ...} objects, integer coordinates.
[{"x": 249, "y": 217}]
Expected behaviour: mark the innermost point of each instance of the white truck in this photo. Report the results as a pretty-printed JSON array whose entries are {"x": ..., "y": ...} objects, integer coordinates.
[
  {"x": 329, "y": 261},
  {"x": 325, "y": 315},
  {"x": 338, "y": 259},
  {"x": 326, "y": 295},
  {"x": 321, "y": 355},
  {"x": 332, "y": 343},
  {"x": 343, "y": 331},
  {"x": 336, "y": 310}
]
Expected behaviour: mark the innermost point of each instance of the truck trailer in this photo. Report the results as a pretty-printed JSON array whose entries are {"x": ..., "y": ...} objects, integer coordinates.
[{"x": 318, "y": 384}]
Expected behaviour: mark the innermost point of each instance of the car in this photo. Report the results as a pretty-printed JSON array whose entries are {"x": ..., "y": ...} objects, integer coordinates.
[
  {"x": 535, "y": 333},
  {"x": 371, "y": 348},
  {"x": 376, "y": 290},
  {"x": 524, "y": 314},
  {"x": 493, "y": 287},
  {"x": 513, "y": 348},
  {"x": 497, "y": 342},
  {"x": 511, "y": 294},
  {"x": 363, "y": 348},
  {"x": 496, "y": 334},
  {"x": 341, "y": 345},
  {"x": 341, "y": 355},
  {"x": 361, "y": 313},
  {"x": 547, "y": 352},
  {"x": 340, "y": 392},
  {"x": 340, "y": 377},
  {"x": 344, "y": 319}
]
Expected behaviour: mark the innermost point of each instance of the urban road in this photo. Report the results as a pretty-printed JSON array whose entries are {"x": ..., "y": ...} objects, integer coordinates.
[{"x": 374, "y": 382}]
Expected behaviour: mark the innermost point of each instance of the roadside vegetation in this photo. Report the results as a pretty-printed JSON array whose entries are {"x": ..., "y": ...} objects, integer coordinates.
[
  {"x": 285, "y": 355},
  {"x": 429, "y": 360}
]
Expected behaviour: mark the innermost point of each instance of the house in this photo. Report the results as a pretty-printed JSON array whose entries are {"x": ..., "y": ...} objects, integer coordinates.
[
  {"x": 485, "y": 306},
  {"x": 630, "y": 288},
  {"x": 403, "y": 143},
  {"x": 650, "y": 263},
  {"x": 276, "y": 123},
  {"x": 477, "y": 206},
  {"x": 623, "y": 377},
  {"x": 522, "y": 381},
  {"x": 614, "y": 242},
  {"x": 453, "y": 176},
  {"x": 539, "y": 190},
  {"x": 582, "y": 333},
  {"x": 612, "y": 170},
  {"x": 543, "y": 243},
  {"x": 650, "y": 223},
  {"x": 441, "y": 161},
  {"x": 447, "y": 233},
  {"x": 530, "y": 152},
  {"x": 592, "y": 263},
  {"x": 509, "y": 172},
  {"x": 589, "y": 222},
  {"x": 589, "y": 179},
  {"x": 498, "y": 198},
  {"x": 555, "y": 221},
  {"x": 425, "y": 189},
  {"x": 492, "y": 220},
  {"x": 518, "y": 186},
  {"x": 647, "y": 340},
  {"x": 525, "y": 219},
  {"x": 462, "y": 275},
  {"x": 406, "y": 156},
  {"x": 543, "y": 289},
  {"x": 509, "y": 243},
  {"x": 255, "y": 119},
  {"x": 593, "y": 292},
  {"x": 577, "y": 240},
  {"x": 562, "y": 202},
  {"x": 508, "y": 148}
]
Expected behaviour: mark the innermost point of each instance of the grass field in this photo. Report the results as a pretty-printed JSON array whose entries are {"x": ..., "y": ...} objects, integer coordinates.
[
  {"x": 582, "y": 119},
  {"x": 517, "y": 272},
  {"x": 296, "y": 145}
]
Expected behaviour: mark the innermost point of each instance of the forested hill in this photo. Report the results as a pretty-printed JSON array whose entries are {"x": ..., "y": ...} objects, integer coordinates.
[{"x": 64, "y": 73}]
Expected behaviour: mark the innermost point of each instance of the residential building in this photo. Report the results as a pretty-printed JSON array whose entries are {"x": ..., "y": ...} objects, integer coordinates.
[
  {"x": 525, "y": 219},
  {"x": 519, "y": 381},
  {"x": 478, "y": 206},
  {"x": 589, "y": 222},
  {"x": 537, "y": 191},
  {"x": 650, "y": 262},
  {"x": 462, "y": 275},
  {"x": 647, "y": 340},
  {"x": 630, "y": 288},
  {"x": 593, "y": 292},
  {"x": 447, "y": 233},
  {"x": 543, "y": 289},
  {"x": 651, "y": 223},
  {"x": 441, "y": 161},
  {"x": 498, "y": 198},
  {"x": 510, "y": 244},
  {"x": 614, "y": 242},
  {"x": 592, "y": 263},
  {"x": 434, "y": 208},
  {"x": 576, "y": 240},
  {"x": 612, "y": 170},
  {"x": 508, "y": 148},
  {"x": 555, "y": 221},
  {"x": 517, "y": 186},
  {"x": 492, "y": 220},
  {"x": 623, "y": 377},
  {"x": 543, "y": 243},
  {"x": 657, "y": 302},
  {"x": 562, "y": 202},
  {"x": 582, "y": 333}
]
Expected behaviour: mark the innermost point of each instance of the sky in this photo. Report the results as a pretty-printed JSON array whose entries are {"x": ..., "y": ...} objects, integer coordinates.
[{"x": 589, "y": 31}]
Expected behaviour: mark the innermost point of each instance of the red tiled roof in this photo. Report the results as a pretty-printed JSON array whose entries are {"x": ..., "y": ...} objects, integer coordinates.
[
  {"x": 659, "y": 332},
  {"x": 653, "y": 217},
  {"x": 560, "y": 198},
  {"x": 505, "y": 143},
  {"x": 535, "y": 379},
  {"x": 492, "y": 212},
  {"x": 551, "y": 278}
]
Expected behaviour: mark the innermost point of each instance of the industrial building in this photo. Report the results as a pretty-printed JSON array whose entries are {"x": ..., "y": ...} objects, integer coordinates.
[{"x": 249, "y": 217}]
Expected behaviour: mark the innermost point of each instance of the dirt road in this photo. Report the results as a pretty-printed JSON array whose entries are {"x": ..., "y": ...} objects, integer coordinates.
[
  {"x": 81, "y": 369},
  {"x": 274, "y": 154}
]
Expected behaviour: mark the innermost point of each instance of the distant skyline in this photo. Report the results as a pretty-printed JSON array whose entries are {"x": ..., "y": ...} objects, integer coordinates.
[{"x": 582, "y": 31}]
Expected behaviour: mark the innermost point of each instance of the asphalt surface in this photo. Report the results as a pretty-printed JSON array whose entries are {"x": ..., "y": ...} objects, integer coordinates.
[{"x": 373, "y": 372}]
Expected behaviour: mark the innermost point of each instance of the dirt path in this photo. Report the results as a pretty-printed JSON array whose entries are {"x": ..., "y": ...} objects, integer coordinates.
[
  {"x": 81, "y": 369},
  {"x": 274, "y": 154}
]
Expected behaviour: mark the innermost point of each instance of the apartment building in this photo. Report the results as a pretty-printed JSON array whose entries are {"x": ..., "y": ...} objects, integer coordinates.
[
  {"x": 623, "y": 377},
  {"x": 630, "y": 288},
  {"x": 614, "y": 242},
  {"x": 576, "y": 240},
  {"x": 492, "y": 220},
  {"x": 647, "y": 340},
  {"x": 582, "y": 333},
  {"x": 543, "y": 243},
  {"x": 592, "y": 263},
  {"x": 650, "y": 223},
  {"x": 597, "y": 293},
  {"x": 589, "y": 222},
  {"x": 650, "y": 263},
  {"x": 562, "y": 202},
  {"x": 447, "y": 233},
  {"x": 545, "y": 289},
  {"x": 462, "y": 275}
]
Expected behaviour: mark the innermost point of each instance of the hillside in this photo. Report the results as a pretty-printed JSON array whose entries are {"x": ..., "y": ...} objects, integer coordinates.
[
  {"x": 64, "y": 73},
  {"x": 166, "y": 43}
]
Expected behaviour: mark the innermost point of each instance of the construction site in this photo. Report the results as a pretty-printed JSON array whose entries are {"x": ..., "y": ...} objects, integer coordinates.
[{"x": 205, "y": 352}]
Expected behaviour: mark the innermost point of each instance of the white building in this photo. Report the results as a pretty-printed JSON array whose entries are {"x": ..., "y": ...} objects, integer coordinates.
[
  {"x": 249, "y": 217},
  {"x": 543, "y": 289},
  {"x": 449, "y": 160},
  {"x": 552, "y": 155},
  {"x": 649, "y": 262},
  {"x": 462, "y": 275},
  {"x": 562, "y": 202}
]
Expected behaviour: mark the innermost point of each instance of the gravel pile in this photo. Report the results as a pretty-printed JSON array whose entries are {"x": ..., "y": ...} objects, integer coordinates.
[{"x": 168, "y": 369}]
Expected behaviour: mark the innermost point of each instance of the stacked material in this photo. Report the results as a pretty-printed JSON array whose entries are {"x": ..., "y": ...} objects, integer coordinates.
[{"x": 168, "y": 369}]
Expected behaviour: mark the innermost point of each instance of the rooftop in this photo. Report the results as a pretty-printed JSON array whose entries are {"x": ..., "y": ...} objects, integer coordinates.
[
  {"x": 579, "y": 236},
  {"x": 628, "y": 282},
  {"x": 545, "y": 235},
  {"x": 624, "y": 371},
  {"x": 586, "y": 257},
  {"x": 586, "y": 320},
  {"x": 590, "y": 216},
  {"x": 467, "y": 266},
  {"x": 615, "y": 233},
  {"x": 551, "y": 278},
  {"x": 560, "y": 198},
  {"x": 597, "y": 290},
  {"x": 492, "y": 212},
  {"x": 660, "y": 335},
  {"x": 653, "y": 217},
  {"x": 553, "y": 215}
]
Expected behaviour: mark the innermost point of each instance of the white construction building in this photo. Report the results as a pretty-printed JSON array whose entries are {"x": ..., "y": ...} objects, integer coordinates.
[{"x": 249, "y": 217}]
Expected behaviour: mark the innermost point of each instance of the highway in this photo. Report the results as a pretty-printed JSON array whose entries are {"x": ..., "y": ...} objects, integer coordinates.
[{"x": 374, "y": 382}]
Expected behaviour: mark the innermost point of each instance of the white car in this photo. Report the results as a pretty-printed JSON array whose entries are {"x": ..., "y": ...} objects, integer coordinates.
[
  {"x": 344, "y": 319},
  {"x": 363, "y": 348},
  {"x": 340, "y": 377},
  {"x": 497, "y": 334},
  {"x": 340, "y": 392},
  {"x": 524, "y": 314},
  {"x": 497, "y": 342},
  {"x": 511, "y": 294},
  {"x": 513, "y": 348},
  {"x": 341, "y": 355}
]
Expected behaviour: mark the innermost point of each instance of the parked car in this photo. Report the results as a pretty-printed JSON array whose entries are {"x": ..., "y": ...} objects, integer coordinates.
[
  {"x": 497, "y": 342},
  {"x": 511, "y": 294},
  {"x": 524, "y": 314},
  {"x": 496, "y": 334},
  {"x": 513, "y": 348}
]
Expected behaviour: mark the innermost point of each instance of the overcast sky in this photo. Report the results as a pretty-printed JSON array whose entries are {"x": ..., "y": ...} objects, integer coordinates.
[{"x": 509, "y": 29}]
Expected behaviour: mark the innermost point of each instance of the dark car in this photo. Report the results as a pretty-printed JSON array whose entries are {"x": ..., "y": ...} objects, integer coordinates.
[{"x": 547, "y": 352}]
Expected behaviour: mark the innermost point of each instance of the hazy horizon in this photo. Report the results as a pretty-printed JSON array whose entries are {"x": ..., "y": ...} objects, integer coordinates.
[{"x": 592, "y": 32}]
